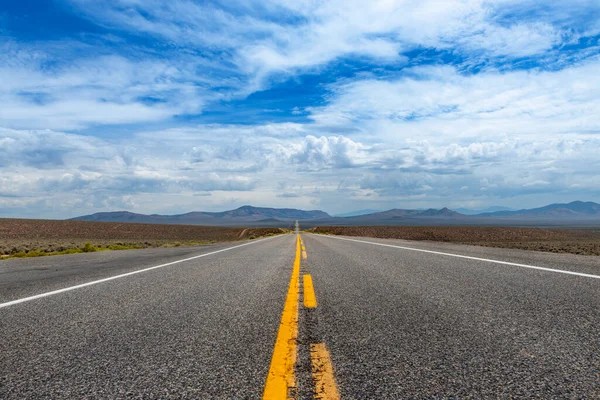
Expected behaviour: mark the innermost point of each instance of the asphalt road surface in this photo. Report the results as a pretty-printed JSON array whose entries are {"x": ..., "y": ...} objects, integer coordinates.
[{"x": 377, "y": 319}]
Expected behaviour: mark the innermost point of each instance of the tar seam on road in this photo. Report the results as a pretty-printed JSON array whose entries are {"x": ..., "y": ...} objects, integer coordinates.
[
  {"x": 281, "y": 381},
  {"x": 310, "y": 300},
  {"x": 322, "y": 372},
  {"x": 39, "y": 296},
  {"x": 560, "y": 271}
]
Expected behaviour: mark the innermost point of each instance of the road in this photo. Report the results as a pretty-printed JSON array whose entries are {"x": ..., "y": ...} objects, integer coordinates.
[{"x": 354, "y": 318}]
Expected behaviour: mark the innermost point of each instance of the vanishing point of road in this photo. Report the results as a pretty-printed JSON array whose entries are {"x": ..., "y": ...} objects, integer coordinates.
[{"x": 301, "y": 316}]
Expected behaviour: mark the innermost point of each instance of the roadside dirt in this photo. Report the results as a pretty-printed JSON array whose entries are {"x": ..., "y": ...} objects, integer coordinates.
[
  {"x": 25, "y": 235},
  {"x": 584, "y": 242}
]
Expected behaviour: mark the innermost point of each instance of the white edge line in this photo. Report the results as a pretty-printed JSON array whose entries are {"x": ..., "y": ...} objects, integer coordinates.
[
  {"x": 39, "y": 296},
  {"x": 560, "y": 271}
]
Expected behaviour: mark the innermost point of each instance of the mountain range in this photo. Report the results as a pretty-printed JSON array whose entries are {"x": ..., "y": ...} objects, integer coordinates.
[
  {"x": 576, "y": 211},
  {"x": 244, "y": 214},
  {"x": 470, "y": 211}
]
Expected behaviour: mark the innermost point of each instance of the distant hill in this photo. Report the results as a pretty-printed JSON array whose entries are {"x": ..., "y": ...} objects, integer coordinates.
[
  {"x": 470, "y": 211},
  {"x": 357, "y": 213},
  {"x": 394, "y": 213},
  {"x": 397, "y": 213},
  {"x": 240, "y": 216},
  {"x": 394, "y": 216},
  {"x": 444, "y": 212},
  {"x": 117, "y": 216},
  {"x": 263, "y": 213},
  {"x": 576, "y": 209}
]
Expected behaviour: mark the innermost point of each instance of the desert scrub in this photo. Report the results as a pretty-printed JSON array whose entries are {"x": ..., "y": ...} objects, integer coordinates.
[
  {"x": 187, "y": 244},
  {"x": 88, "y": 248},
  {"x": 24, "y": 237},
  {"x": 41, "y": 253},
  {"x": 120, "y": 246}
]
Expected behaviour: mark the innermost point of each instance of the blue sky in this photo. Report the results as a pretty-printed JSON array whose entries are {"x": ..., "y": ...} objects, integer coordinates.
[{"x": 168, "y": 107}]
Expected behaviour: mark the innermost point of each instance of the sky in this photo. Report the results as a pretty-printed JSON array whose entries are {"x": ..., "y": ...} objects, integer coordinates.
[{"x": 169, "y": 107}]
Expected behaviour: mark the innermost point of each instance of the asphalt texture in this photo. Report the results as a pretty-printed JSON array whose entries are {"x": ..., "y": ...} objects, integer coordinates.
[
  {"x": 202, "y": 329},
  {"x": 397, "y": 323},
  {"x": 22, "y": 277},
  {"x": 404, "y": 324}
]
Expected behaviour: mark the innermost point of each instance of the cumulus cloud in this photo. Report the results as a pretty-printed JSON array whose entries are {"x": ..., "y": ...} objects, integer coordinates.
[
  {"x": 311, "y": 171},
  {"x": 46, "y": 166},
  {"x": 325, "y": 152}
]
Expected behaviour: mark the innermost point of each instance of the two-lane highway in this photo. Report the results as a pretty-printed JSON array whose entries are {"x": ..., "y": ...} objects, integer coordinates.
[{"x": 340, "y": 317}]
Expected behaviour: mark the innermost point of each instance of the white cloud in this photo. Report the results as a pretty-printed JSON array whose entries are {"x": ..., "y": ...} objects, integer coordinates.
[
  {"x": 438, "y": 103},
  {"x": 325, "y": 152},
  {"x": 162, "y": 173},
  {"x": 280, "y": 36},
  {"x": 210, "y": 46},
  {"x": 54, "y": 165},
  {"x": 519, "y": 40},
  {"x": 47, "y": 149},
  {"x": 421, "y": 136},
  {"x": 100, "y": 90}
]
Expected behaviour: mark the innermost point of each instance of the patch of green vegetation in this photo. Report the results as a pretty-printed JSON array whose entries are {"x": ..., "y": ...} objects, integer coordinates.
[
  {"x": 41, "y": 253},
  {"x": 67, "y": 251},
  {"x": 187, "y": 244},
  {"x": 120, "y": 246},
  {"x": 88, "y": 248},
  {"x": 35, "y": 253}
]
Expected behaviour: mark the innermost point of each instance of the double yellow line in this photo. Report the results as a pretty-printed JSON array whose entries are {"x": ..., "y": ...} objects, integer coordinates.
[{"x": 281, "y": 380}]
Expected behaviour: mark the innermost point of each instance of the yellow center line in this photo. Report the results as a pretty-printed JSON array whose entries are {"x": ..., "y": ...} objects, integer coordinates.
[
  {"x": 322, "y": 372},
  {"x": 310, "y": 300},
  {"x": 281, "y": 382},
  {"x": 304, "y": 255}
]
